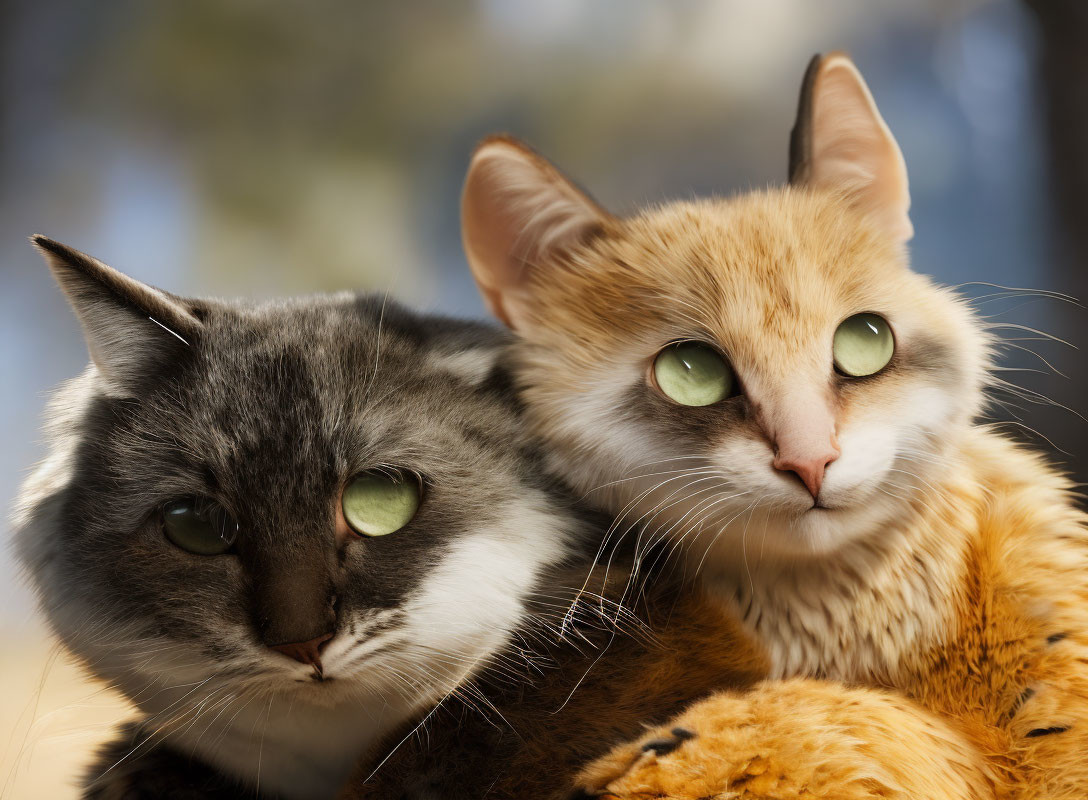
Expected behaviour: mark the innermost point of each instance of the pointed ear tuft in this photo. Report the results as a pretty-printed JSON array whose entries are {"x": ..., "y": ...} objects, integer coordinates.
[
  {"x": 841, "y": 143},
  {"x": 132, "y": 330},
  {"x": 517, "y": 212}
]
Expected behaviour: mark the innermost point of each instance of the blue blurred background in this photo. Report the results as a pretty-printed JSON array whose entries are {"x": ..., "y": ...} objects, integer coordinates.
[{"x": 267, "y": 148}]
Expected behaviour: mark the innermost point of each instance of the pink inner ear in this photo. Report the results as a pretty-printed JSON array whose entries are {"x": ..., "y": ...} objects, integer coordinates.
[
  {"x": 517, "y": 212},
  {"x": 489, "y": 231},
  {"x": 854, "y": 152}
]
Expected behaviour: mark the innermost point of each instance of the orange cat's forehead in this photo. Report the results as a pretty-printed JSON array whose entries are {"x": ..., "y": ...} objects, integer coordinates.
[{"x": 763, "y": 272}]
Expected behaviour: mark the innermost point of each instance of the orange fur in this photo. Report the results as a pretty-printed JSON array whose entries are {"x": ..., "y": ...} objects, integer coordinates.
[
  {"x": 797, "y": 739},
  {"x": 1009, "y": 675},
  {"x": 940, "y": 560}
]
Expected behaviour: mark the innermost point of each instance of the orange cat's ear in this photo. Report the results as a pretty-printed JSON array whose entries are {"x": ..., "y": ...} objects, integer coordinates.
[
  {"x": 517, "y": 210},
  {"x": 840, "y": 142}
]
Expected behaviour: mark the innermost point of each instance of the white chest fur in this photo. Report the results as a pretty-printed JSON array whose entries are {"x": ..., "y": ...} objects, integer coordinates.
[{"x": 857, "y": 616}]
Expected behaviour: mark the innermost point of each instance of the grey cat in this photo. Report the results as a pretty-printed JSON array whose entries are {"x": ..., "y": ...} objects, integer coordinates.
[{"x": 283, "y": 530}]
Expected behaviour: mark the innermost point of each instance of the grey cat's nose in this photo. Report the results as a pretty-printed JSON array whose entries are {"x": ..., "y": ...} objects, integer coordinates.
[{"x": 305, "y": 652}]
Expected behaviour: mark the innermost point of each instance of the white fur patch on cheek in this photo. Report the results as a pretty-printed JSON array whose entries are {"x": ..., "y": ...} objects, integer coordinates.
[
  {"x": 870, "y": 448},
  {"x": 927, "y": 408},
  {"x": 470, "y": 605},
  {"x": 747, "y": 462},
  {"x": 866, "y": 453}
]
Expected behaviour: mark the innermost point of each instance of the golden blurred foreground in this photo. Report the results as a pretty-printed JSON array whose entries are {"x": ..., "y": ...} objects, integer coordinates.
[{"x": 52, "y": 718}]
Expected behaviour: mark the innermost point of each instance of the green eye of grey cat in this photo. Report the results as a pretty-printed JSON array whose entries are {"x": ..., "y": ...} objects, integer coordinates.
[
  {"x": 693, "y": 374},
  {"x": 377, "y": 503},
  {"x": 863, "y": 345},
  {"x": 200, "y": 526}
]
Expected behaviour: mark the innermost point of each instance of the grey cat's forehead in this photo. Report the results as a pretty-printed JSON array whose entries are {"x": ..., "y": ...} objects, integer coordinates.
[
  {"x": 349, "y": 352},
  {"x": 337, "y": 330}
]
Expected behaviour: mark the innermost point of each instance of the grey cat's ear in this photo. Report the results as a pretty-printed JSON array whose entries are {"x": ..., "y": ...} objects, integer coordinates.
[
  {"x": 131, "y": 329},
  {"x": 840, "y": 142},
  {"x": 517, "y": 211}
]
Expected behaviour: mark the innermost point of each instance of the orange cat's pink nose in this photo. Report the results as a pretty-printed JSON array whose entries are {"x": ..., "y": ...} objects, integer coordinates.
[
  {"x": 800, "y": 427},
  {"x": 809, "y": 467}
]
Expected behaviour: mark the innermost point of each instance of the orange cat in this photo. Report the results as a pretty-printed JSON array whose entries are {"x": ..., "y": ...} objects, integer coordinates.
[{"x": 765, "y": 382}]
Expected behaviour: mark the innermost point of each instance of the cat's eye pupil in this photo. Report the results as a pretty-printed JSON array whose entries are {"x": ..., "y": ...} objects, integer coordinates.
[
  {"x": 199, "y": 525},
  {"x": 693, "y": 374},
  {"x": 380, "y": 502},
  {"x": 863, "y": 345}
]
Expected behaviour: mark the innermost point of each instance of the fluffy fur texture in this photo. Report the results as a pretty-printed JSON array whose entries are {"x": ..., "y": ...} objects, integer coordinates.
[
  {"x": 938, "y": 559},
  {"x": 270, "y": 409},
  {"x": 602, "y": 672},
  {"x": 796, "y": 739},
  {"x": 589, "y": 671}
]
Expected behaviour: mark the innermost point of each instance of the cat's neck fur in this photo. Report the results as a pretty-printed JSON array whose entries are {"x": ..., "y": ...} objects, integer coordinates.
[
  {"x": 288, "y": 747},
  {"x": 861, "y": 614}
]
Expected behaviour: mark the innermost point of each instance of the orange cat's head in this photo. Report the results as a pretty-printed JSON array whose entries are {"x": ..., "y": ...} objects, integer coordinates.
[{"x": 767, "y": 361}]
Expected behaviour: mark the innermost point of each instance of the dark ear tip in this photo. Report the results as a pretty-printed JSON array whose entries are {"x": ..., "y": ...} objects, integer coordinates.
[
  {"x": 58, "y": 255},
  {"x": 43, "y": 242},
  {"x": 52, "y": 248},
  {"x": 811, "y": 71},
  {"x": 801, "y": 134}
]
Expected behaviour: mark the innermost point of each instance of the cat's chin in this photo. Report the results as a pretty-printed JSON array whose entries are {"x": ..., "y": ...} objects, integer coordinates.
[
  {"x": 824, "y": 529},
  {"x": 802, "y": 535}
]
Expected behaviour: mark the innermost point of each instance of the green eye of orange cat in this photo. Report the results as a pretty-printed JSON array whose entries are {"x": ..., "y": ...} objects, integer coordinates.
[
  {"x": 863, "y": 345},
  {"x": 693, "y": 374},
  {"x": 199, "y": 525},
  {"x": 377, "y": 503}
]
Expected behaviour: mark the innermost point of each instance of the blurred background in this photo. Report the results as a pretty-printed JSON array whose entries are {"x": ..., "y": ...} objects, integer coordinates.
[{"x": 265, "y": 147}]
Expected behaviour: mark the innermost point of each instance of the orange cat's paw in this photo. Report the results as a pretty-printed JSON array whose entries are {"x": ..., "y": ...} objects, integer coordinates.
[{"x": 793, "y": 739}]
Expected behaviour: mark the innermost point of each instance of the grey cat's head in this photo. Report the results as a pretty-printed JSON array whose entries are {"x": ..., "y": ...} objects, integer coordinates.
[{"x": 238, "y": 429}]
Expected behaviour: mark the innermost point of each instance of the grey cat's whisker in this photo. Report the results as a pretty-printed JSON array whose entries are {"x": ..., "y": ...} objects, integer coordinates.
[
  {"x": 647, "y": 517},
  {"x": 223, "y": 704},
  {"x": 659, "y": 536},
  {"x": 145, "y": 742},
  {"x": 686, "y": 529},
  {"x": 619, "y": 521},
  {"x": 721, "y": 530},
  {"x": 260, "y": 747},
  {"x": 639, "y": 548},
  {"x": 377, "y": 648}
]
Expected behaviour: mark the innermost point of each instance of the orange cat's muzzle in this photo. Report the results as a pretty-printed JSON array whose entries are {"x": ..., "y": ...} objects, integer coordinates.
[{"x": 802, "y": 432}]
